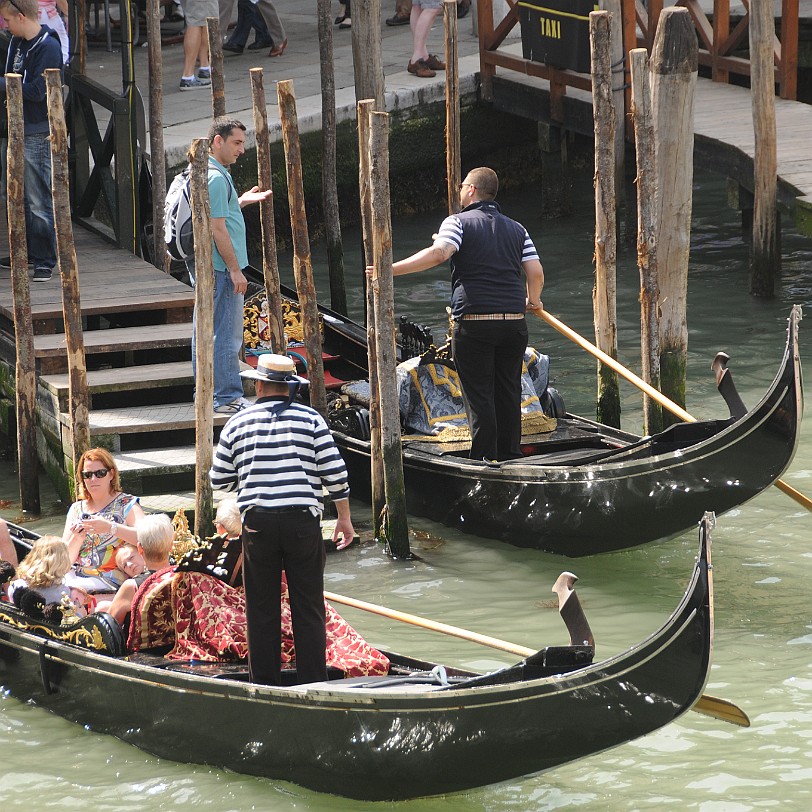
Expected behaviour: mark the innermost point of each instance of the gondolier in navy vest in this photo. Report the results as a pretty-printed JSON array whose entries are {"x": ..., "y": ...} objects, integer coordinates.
[
  {"x": 496, "y": 276},
  {"x": 278, "y": 455}
]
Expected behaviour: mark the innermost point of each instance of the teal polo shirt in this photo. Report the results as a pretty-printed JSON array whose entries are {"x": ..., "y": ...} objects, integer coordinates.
[{"x": 225, "y": 202}]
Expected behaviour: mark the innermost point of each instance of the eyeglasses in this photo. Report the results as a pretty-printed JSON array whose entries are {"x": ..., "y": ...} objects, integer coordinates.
[
  {"x": 465, "y": 184},
  {"x": 101, "y": 473}
]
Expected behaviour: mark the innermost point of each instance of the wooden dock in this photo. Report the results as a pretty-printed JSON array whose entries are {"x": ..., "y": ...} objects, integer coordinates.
[{"x": 137, "y": 325}]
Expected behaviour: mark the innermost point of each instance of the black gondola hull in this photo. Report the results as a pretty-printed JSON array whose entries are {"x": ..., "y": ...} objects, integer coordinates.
[
  {"x": 368, "y": 743},
  {"x": 583, "y": 509}
]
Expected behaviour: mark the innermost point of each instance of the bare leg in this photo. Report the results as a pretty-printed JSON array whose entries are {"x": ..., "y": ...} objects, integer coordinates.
[
  {"x": 194, "y": 43},
  {"x": 420, "y": 23}
]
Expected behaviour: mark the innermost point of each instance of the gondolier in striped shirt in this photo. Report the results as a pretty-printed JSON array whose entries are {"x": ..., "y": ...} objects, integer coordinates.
[
  {"x": 278, "y": 455},
  {"x": 496, "y": 276}
]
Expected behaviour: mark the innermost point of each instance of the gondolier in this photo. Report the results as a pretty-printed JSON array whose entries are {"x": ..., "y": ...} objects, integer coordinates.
[
  {"x": 278, "y": 455},
  {"x": 496, "y": 276}
]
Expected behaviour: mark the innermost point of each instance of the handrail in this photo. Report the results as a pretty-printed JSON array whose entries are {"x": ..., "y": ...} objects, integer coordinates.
[{"x": 717, "y": 46}]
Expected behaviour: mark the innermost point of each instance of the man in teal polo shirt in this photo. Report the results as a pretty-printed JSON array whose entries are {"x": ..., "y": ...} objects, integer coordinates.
[{"x": 229, "y": 257}]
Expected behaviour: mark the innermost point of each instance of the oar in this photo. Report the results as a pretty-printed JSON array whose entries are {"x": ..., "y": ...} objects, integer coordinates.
[
  {"x": 653, "y": 393},
  {"x": 721, "y": 709}
]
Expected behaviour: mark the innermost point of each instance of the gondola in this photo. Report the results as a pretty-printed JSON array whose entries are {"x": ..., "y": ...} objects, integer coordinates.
[
  {"x": 421, "y": 730},
  {"x": 586, "y": 488}
]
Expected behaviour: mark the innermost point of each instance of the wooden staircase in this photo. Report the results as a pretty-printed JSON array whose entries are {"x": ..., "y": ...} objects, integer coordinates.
[{"x": 137, "y": 324}]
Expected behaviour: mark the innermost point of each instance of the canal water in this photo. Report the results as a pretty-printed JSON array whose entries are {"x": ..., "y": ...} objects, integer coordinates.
[{"x": 762, "y": 568}]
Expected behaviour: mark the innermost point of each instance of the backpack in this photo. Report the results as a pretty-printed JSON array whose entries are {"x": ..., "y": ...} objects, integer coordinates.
[{"x": 178, "y": 232}]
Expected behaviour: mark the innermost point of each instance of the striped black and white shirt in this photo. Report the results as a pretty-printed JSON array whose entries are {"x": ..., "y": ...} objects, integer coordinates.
[{"x": 278, "y": 460}]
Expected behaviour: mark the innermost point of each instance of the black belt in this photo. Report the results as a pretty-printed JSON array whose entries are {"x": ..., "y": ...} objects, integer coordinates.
[{"x": 277, "y": 510}]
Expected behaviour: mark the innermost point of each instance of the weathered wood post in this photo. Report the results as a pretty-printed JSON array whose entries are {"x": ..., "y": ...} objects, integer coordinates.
[
  {"x": 160, "y": 259},
  {"x": 78, "y": 395},
  {"x": 302, "y": 262},
  {"x": 646, "y": 237},
  {"x": 329, "y": 183},
  {"x": 673, "y": 69},
  {"x": 453, "y": 168},
  {"x": 397, "y": 534},
  {"x": 204, "y": 330},
  {"x": 270, "y": 263},
  {"x": 25, "y": 381},
  {"x": 218, "y": 87},
  {"x": 79, "y": 58},
  {"x": 765, "y": 252},
  {"x": 367, "y": 60},
  {"x": 365, "y": 109},
  {"x": 604, "y": 294},
  {"x": 617, "y": 57}
]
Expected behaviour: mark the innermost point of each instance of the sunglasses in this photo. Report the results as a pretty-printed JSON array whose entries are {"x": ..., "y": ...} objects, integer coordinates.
[{"x": 100, "y": 474}]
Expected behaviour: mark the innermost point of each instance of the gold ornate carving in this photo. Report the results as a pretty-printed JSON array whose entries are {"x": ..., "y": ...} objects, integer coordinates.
[
  {"x": 256, "y": 329},
  {"x": 185, "y": 540}
]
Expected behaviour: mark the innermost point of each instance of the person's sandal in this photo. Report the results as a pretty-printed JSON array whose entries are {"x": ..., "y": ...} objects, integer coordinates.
[{"x": 421, "y": 69}]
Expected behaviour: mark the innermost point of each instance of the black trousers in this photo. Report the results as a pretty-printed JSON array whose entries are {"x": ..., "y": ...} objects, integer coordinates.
[
  {"x": 273, "y": 541},
  {"x": 489, "y": 356}
]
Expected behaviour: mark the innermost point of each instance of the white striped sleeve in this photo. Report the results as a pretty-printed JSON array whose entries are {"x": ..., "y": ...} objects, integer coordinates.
[
  {"x": 450, "y": 232},
  {"x": 528, "y": 250}
]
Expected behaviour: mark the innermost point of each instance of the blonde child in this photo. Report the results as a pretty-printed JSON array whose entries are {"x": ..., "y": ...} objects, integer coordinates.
[
  {"x": 129, "y": 563},
  {"x": 43, "y": 570}
]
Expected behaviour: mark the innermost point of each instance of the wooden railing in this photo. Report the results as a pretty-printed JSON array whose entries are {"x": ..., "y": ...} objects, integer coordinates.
[{"x": 717, "y": 45}]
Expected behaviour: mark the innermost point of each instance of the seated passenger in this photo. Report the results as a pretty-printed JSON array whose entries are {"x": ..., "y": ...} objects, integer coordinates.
[
  {"x": 155, "y": 537},
  {"x": 7, "y": 550},
  {"x": 227, "y": 519},
  {"x": 43, "y": 570},
  {"x": 99, "y": 522},
  {"x": 129, "y": 562}
]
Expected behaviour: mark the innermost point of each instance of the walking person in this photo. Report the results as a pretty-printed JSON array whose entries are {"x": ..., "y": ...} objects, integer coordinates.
[
  {"x": 196, "y": 44},
  {"x": 496, "y": 276},
  {"x": 422, "y": 63},
  {"x": 229, "y": 257},
  {"x": 33, "y": 49},
  {"x": 269, "y": 13},
  {"x": 278, "y": 455}
]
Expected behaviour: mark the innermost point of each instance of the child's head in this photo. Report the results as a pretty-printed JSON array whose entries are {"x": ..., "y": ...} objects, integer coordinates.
[
  {"x": 46, "y": 564},
  {"x": 129, "y": 560},
  {"x": 155, "y": 536},
  {"x": 228, "y": 517}
]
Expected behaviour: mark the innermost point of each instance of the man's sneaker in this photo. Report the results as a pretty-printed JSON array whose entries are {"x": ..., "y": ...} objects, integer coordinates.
[
  {"x": 193, "y": 84},
  {"x": 204, "y": 75},
  {"x": 42, "y": 273},
  {"x": 231, "y": 408}
]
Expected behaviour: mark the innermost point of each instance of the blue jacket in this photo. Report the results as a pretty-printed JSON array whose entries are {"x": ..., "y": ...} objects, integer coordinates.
[{"x": 37, "y": 54}]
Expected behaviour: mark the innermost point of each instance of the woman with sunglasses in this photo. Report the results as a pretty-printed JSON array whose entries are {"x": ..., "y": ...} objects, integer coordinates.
[{"x": 99, "y": 522}]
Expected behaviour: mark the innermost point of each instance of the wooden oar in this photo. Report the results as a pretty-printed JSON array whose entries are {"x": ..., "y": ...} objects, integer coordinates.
[
  {"x": 721, "y": 709},
  {"x": 653, "y": 393}
]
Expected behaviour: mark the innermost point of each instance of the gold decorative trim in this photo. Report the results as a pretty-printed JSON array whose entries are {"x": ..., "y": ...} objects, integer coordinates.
[{"x": 90, "y": 638}]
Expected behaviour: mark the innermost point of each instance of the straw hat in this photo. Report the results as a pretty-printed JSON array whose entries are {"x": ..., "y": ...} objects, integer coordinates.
[{"x": 274, "y": 368}]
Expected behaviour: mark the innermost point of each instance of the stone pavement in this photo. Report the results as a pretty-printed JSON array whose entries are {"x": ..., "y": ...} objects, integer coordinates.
[{"x": 187, "y": 114}]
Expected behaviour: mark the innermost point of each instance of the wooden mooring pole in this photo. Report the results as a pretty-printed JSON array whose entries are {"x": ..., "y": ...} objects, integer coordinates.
[
  {"x": 765, "y": 252},
  {"x": 453, "y": 164},
  {"x": 160, "y": 258},
  {"x": 78, "y": 395},
  {"x": 25, "y": 381},
  {"x": 674, "y": 61},
  {"x": 646, "y": 237},
  {"x": 367, "y": 59},
  {"x": 270, "y": 262},
  {"x": 329, "y": 183},
  {"x": 204, "y": 330},
  {"x": 604, "y": 294},
  {"x": 378, "y": 499},
  {"x": 302, "y": 262},
  {"x": 397, "y": 534},
  {"x": 218, "y": 87}
]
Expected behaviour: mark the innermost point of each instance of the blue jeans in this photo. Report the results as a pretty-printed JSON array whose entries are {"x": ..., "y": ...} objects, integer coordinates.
[
  {"x": 228, "y": 335},
  {"x": 39, "y": 207},
  {"x": 248, "y": 17}
]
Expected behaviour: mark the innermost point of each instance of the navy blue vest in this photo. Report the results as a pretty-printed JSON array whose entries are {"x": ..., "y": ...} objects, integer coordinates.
[{"x": 486, "y": 272}]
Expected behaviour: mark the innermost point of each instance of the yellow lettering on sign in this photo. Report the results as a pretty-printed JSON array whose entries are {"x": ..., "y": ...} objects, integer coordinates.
[{"x": 550, "y": 28}]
